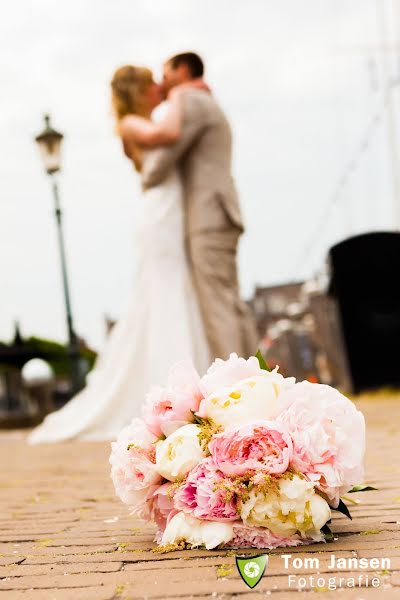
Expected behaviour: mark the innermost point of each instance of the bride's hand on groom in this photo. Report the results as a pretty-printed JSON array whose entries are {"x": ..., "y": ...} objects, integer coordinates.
[{"x": 136, "y": 130}]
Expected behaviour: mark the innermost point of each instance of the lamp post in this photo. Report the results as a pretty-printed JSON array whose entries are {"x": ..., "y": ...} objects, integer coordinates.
[{"x": 49, "y": 142}]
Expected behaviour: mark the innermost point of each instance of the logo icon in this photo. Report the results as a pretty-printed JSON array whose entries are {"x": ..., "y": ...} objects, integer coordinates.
[{"x": 252, "y": 568}]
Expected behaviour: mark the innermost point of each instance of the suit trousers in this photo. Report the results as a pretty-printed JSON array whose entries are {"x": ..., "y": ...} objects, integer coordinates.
[{"x": 229, "y": 324}]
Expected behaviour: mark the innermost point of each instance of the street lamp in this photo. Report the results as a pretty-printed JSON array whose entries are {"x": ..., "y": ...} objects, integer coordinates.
[{"x": 49, "y": 142}]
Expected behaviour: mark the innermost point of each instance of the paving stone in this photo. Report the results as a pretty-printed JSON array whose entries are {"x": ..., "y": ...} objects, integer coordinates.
[{"x": 81, "y": 593}]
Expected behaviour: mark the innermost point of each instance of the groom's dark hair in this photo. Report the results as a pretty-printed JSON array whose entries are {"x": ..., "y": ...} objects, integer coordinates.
[{"x": 191, "y": 60}]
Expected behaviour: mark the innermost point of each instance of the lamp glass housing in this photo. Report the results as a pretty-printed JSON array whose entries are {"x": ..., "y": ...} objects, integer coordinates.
[{"x": 49, "y": 143}]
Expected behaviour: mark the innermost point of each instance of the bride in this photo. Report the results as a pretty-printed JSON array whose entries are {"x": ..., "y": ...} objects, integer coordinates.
[{"x": 162, "y": 322}]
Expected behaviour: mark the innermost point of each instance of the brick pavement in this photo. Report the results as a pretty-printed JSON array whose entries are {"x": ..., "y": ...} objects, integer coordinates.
[{"x": 64, "y": 536}]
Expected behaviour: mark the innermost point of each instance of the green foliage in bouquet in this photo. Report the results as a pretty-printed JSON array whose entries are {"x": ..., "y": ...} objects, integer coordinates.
[
  {"x": 328, "y": 535},
  {"x": 263, "y": 365},
  {"x": 362, "y": 488},
  {"x": 342, "y": 507}
]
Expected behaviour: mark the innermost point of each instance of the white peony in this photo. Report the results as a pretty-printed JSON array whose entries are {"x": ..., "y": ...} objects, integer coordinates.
[
  {"x": 179, "y": 453},
  {"x": 183, "y": 527},
  {"x": 251, "y": 399},
  {"x": 293, "y": 508},
  {"x": 225, "y": 373},
  {"x": 320, "y": 511}
]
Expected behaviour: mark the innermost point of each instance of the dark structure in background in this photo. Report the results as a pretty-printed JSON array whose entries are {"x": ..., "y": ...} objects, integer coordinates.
[
  {"x": 12, "y": 359},
  {"x": 24, "y": 401},
  {"x": 344, "y": 330},
  {"x": 366, "y": 286}
]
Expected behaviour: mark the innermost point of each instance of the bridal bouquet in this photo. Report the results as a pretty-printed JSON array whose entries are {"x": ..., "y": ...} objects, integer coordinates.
[{"x": 241, "y": 457}]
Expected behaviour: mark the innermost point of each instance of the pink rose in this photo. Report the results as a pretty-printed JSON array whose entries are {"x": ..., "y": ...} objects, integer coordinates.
[
  {"x": 225, "y": 373},
  {"x": 261, "y": 446},
  {"x": 200, "y": 496},
  {"x": 133, "y": 470},
  {"x": 328, "y": 434},
  {"x": 167, "y": 408}
]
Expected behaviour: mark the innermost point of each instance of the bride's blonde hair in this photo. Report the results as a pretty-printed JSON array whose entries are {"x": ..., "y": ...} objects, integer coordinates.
[{"x": 129, "y": 86}]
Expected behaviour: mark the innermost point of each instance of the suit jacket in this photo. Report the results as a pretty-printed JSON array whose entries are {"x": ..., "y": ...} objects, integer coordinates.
[{"x": 203, "y": 153}]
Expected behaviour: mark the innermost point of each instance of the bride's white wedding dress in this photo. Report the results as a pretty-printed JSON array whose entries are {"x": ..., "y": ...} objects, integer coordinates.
[{"x": 162, "y": 324}]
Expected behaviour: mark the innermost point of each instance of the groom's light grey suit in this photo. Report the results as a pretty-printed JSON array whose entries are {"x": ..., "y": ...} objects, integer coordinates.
[{"x": 213, "y": 219}]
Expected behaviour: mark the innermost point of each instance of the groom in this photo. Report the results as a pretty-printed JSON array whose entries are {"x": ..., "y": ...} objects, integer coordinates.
[{"x": 213, "y": 219}]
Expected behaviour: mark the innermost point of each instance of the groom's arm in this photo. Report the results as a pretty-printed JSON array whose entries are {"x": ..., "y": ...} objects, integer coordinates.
[{"x": 162, "y": 159}]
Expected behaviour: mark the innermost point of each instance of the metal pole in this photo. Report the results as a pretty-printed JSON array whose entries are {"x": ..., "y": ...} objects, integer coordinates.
[{"x": 73, "y": 350}]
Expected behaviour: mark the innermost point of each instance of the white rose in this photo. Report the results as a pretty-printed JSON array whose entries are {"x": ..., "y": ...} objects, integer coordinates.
[
  {"x": 251, "y": 399},
  {"x": 293, "y": 508},
  {"x": 179, "y": 453},
  {"x": 196, "y": 532}
]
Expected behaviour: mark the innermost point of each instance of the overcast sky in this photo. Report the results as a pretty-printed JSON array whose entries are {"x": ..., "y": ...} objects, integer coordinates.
[{"x": 301, "y": 82}]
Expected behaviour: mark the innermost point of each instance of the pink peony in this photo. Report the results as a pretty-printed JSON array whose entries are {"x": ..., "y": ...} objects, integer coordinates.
[
  {"x": 225, "y": 373},
  {"x": 161, "y": 505},
  {"x": 167, "y": 408},
  {"x": 261, "y": 537},
  {"x": 200, "y": 496},
  {"x": 261, "y": 446},
  {"x": 328, "y": 434},
  {"x": 142, "y": 507},
  {"x": 133, "y": 471},
  {"x": 162, "y": 508}
]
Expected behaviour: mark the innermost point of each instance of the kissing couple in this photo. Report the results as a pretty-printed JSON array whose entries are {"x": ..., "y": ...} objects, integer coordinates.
[{"x": 185, "y": 301}]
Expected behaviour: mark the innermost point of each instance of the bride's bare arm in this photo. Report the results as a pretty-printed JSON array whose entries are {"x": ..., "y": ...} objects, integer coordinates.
[{"x": 144, "y": 132}]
